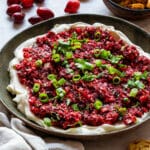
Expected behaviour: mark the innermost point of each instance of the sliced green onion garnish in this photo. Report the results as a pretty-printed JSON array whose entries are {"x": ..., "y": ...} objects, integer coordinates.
[
  {"x": 116, "y": 80},
  {"x": 47, "y": 121},
  {"x": 97, "y": 52},
  {"x": 98, "y": 63},
  {"x": 74, "y": 36},
  {"x": 126, "y": 99},
  {"x": 139, "y": 84},
  {"x": 89, "y": 66},
  {"x": 51, "y": 76},
  {"x": 80, "y": 61},
  {"x": 68, "y": 101},
  {"x": 64, "y": 63},
  {"x": 122, "y": 65},
  {"x": 76, "y": 77},
  {"x": 145, "y": 75},
  {"x": 83, "y": 64},
  {"x": 55, "y": 83},
  {"x": 75, "y": 107},
  {"x": 61, "y": 81},
  {"x": 69, "y": 55},
  {"x": 60, "y": 92},
  {"x": 140, "y": 75},
  {"x": 137, "y": 75},
  {"x": 98, "y": 104},
  {"x": 36, "y": 87},
  {"x": 131, "y": 83},
  {"x": 115, "y": 58},
  {"x": 76, "y": 45},
  {"x": 133, "y": 92},
  {"x": 113, "y": 70},
  {"x": 38, "y": 63},
  {"x": 105, "y": 54},
  {"x": 122, "y": 110},
  {"x": 63, "y": 43},
  {"x": 97, "y": 35},
  {"x": 100, "y": 75},
  {"x": 89, "y": 77},
  {"x": 43, "y": 97},
  {"x": 70, "y": 71},
  {"x": 56, "y": 57},
  {"x": 54, "y": 51}
]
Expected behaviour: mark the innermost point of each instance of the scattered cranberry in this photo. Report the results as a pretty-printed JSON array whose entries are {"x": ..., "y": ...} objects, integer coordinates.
[
  {"x": 10, "y": 2},
  {"x": 35, "y": 19},
  {"x": 45, "y": 13},
  {"x": 27, "y": 3},
  {"x": 18, "y": 17},
  {"x": 13, "y": 8},
  {"x": 72, "y": 6},
  {"x": 39, "y": 1}
]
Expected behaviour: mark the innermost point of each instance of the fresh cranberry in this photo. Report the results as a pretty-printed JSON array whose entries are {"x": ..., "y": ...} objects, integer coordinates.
[
  {"x": 27, "y": 3},
  {"x": 18, "y": 17},
  {"x": 10, "y": 2},
  {"x": 35, "y": 19},
  {"x": 72, "y": 6},
  {"x": 13, "y": 8},
  {"x": 45, "y": 13},
  {"x": 39, "y": 1}
]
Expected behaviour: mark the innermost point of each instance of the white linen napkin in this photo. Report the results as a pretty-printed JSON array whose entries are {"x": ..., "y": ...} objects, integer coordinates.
[{"x": 15, "y": 136}]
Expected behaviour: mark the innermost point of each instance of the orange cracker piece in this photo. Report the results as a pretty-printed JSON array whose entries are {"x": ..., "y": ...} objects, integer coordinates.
[
  {"x": 137, "y": 6},
  {"x": 148, "y": 4},
  {"x": 140, "y": 145}
]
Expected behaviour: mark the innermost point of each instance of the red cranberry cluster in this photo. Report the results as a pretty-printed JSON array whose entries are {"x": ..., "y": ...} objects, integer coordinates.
[{"x": 15, "y": 10}]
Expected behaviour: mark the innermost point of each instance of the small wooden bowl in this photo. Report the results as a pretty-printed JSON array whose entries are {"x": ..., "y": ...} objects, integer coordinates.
[{"x": 125, "y": 12}]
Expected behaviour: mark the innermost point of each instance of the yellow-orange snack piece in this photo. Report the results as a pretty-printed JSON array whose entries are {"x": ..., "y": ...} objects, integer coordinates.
[
  {"x": 134, "y": 4},
  {"x": 148, "y": 4},
  {"x": 137, "y": 6},
  {"x": 140, "y": 145},
  {"x": 125, "y": 3}
]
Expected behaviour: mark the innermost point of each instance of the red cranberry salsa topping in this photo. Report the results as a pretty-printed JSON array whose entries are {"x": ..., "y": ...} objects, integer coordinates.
[{"x": 85, "y": 76}]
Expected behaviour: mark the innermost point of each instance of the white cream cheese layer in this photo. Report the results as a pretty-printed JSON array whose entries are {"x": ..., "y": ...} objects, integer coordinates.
[{"x": 22, "y": 95}]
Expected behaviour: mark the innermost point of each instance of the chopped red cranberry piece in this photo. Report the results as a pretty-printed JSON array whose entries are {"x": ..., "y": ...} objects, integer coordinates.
[
  {"x": 144, "y": 98},
  {"x": 131, "y": 53},
  {"x": 111, "y": 117},
  {"x": 129, "y": 119}
]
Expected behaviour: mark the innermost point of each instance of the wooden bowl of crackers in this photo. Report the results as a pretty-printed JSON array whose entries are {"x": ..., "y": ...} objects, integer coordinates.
[{"x": 129, "y": 9}]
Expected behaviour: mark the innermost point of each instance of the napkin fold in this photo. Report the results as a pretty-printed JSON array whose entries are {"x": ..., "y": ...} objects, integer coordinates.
[{"x": 15, "y": 136}]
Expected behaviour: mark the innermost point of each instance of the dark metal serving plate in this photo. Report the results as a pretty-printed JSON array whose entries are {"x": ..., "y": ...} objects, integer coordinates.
[{"x": 135, "y": 34}]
